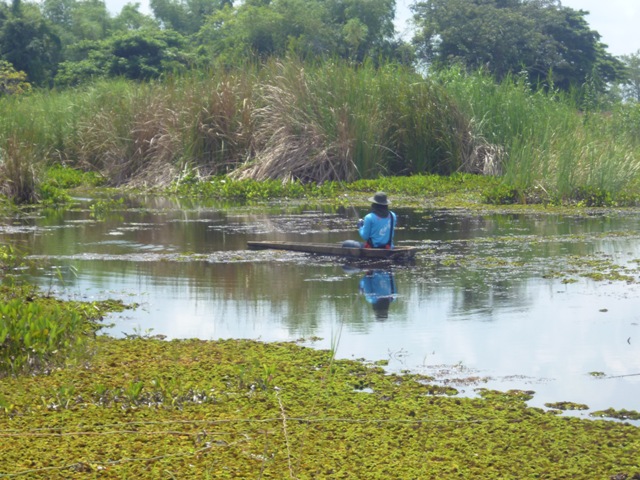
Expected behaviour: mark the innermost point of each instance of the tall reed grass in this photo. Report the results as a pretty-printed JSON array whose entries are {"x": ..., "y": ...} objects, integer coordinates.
[
  {"x": 548, "y": 142},
  {"x": 336, "y": 121},
  {"x": 286, "y": 120},
  {"x": 316, "y": 122}
]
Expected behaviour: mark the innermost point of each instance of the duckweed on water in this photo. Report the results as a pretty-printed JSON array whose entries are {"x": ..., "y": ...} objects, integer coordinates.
[
  {"x": 567, "y": 406},
  {"x": 619, "y": 414},
  {"x": 146, "y": 408}
]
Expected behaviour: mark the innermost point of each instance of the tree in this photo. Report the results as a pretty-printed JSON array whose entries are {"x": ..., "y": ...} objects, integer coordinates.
[
  {"x": 130, "y": 18},
  {"x": 262, "y": 29},
  {"x": 186, "y": 16},
  {"x": 371, "y": 20},
  {"x": 142, "y": 55},
  {"x": 12, "y": 82},
  {"x": 75, "y": 21},
  {"x": 91, "y": 20},
  {"x": 631, "y": 87},
  {"x": 506, "y": 37},
  {"x": 136, "y": 55},
  {"x": 352, "y": 29},
  {"x": 59, "y": 12},
  {"x": 29, "y": 44}
]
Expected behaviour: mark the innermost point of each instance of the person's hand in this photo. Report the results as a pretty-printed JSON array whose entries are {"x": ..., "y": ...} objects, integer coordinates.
[{"x": 360, "y": 223}]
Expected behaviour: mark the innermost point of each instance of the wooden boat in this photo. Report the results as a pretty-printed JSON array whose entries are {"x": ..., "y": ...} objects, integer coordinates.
[{"x": 396, "y": 254}]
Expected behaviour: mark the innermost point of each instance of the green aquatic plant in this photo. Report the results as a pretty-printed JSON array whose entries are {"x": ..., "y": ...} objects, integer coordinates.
[
  {"x": 268, "y": 373},
  {"x": 567, "y": 406},
  {"x": 617, "y": 414},
  {"x": 601, "y": 268},
  {"x": 64, "y": 396},
  {"x": 38, "y": 333},
  {"x": 33, "y": 335},
  {"x": 6, "y": 406},
  {"x": 133, "y": 390},
  {"x": 101, "y": 208},
  {"x": 11, "y": 259},
  {"x": 306, "y": 428},
  {"x": 64, "y": 177}
]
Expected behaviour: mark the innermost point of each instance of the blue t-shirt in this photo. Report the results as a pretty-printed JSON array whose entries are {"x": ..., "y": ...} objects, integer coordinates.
[
  {"x": 377, "y": 285},
  {"x": 376, "y": 229}
]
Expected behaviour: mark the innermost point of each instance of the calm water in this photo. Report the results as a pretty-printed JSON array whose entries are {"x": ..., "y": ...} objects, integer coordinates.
[{"x": 498, "y": 299}]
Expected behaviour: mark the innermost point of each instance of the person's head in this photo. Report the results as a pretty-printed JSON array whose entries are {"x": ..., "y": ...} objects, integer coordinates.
[
  {"x": 380, "y": 204},
  {"x": 381, "y": 307}
]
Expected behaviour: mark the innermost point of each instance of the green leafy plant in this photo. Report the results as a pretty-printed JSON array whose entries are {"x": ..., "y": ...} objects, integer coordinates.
[
  {"x": 65, "y": 395},
  {"x": 133, "y": 391},
  {"x": 36, "y": 334},
  {"x": 64, "y": 177},
  {"x": 102, "y": 208},
  {"x": 10, "y": 259}
]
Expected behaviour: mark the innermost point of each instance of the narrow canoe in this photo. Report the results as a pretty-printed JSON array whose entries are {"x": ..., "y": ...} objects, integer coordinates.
[{"x": 397, "y": 253}]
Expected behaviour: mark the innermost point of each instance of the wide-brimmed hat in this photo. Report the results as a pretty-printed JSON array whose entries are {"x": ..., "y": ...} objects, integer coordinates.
[{"x": 380, "y": 198}]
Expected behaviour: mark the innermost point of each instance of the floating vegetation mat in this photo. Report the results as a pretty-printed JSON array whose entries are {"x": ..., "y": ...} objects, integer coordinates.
[
  {"x": 147, "y": 408},
  {"x": 230, "y": 256}
]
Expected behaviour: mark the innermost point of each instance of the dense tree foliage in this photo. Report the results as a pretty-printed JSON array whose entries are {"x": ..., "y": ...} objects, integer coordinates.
[
  {"x": 347, "y": 28},
  {"x": 550, "y": 42},
  {"x": 136, "y": 54},
  {"x": 29, "y": 43},
  {"x": 185, "y": 16},
  {"x": 67, "y": 42}
]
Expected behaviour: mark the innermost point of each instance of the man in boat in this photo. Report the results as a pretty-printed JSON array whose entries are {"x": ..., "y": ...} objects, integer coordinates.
[{"x": 377, "y": 227}]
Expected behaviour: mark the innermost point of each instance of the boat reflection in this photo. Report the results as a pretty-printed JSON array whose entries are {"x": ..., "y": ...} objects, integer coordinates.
[{"x": 379, "y": 289}]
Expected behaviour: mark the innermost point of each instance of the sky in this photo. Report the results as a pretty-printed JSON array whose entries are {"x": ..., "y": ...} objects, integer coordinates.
[{"x": 617, "y": 21}]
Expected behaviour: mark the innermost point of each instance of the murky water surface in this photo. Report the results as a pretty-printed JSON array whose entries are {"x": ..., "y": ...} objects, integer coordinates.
[{"x": 498, "y": 301}]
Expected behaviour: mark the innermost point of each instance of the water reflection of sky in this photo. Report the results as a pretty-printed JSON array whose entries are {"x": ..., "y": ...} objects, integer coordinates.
[{"x": 490, "y": 297}]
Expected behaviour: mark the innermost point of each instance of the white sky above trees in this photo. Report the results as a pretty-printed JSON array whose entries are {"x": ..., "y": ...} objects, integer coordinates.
[{"x": 617, "y": 21}]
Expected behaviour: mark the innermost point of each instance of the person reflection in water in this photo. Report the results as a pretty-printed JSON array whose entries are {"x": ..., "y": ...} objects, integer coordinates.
[{"x": 379, "y": 288}]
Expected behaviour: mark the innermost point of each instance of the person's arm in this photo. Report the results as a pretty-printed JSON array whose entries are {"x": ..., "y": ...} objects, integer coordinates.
[{"x": 365, "y": 229}]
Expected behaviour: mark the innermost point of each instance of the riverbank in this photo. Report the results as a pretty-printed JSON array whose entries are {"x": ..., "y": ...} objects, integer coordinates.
[{"x": 275, "y": 122}]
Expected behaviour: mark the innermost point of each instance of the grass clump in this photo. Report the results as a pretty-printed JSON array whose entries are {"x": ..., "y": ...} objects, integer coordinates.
[
  {"x": 269, "y": 122},
  {"x": 20, "y": 167}
]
